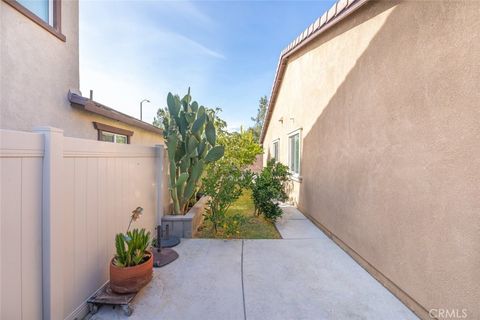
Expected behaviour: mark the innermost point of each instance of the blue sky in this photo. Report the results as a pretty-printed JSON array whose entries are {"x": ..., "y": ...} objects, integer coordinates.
[{"x": 226, "y": 51}]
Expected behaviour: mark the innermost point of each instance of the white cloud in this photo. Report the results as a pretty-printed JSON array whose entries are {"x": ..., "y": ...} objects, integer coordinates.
[
  {"x": 128, "y": 59},
  {"x": 189, "y": 11},
  {"x": 195, "y": 45}
]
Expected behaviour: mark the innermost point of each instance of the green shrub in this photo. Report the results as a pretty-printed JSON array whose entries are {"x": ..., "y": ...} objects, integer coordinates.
[
  {"x": 225, "y": 179},
  {"x": 269, "y": 188},
  {"x": 224, "y": 183},
  {"x": 232, "y": 224}
]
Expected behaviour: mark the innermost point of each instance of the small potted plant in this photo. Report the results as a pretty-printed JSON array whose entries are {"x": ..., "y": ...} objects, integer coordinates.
[{"x": 132, "y": 267}]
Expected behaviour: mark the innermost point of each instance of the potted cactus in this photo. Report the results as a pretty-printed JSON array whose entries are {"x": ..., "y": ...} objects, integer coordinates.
[
  {"x": 191, "y": 140},
  {"x": 132, "y": 267}
]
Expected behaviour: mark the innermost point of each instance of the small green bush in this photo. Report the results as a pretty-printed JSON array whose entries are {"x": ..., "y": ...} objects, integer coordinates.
[
  {"x": 233, "y": 223},
  {"x": 269, "y": 188}
]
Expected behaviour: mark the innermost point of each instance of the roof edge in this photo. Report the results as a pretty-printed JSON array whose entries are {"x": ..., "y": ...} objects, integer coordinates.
[
  {"x": 76, "y": 99},
  {"x": 340, "y": 10}
]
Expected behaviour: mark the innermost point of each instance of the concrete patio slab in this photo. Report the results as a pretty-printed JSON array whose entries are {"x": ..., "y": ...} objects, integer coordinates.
[
  {"x": 303, "y": 276},
  {"x": 203, "y": 283},
  {"x": 312, "y": 279}
]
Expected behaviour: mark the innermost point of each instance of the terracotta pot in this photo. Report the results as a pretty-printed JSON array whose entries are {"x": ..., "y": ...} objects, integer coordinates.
[{"x": 131, "y": 279}]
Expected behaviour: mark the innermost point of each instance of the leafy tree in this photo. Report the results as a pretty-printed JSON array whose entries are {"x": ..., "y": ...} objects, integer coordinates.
[
  {"x": 158, "y": 119},
  {"x": 241, "y": 148},
  {"x": 259, "y": 118},
  {"x": 220, "y": 124},
  {"x": 225, "y": 179}
]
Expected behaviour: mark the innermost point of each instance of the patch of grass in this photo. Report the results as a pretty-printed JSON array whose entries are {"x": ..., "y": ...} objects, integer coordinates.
[{"x": 254, "y": 227}]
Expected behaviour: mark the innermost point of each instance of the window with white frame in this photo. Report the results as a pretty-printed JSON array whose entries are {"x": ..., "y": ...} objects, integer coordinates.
[
  {"x": 112, "y": 134},
  {"x": 294, "y": 152},
  {"x": 113, "y": 137},
  {"x": 276, "y": 150}
]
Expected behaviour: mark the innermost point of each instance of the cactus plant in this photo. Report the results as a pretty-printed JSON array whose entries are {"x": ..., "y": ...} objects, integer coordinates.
[
  {"x": 136, "y": 241},
  {"x": 190, "y": 137}
]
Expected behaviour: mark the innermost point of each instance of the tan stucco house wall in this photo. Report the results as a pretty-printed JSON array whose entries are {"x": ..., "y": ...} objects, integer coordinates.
[
  {"x": 387, "y": 100},
  {"x": 37, "y": 71}
]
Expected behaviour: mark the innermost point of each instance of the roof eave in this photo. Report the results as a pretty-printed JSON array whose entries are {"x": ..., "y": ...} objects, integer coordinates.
[
  {"x": 339, "y": 11},
  {"x": 77, "y": 100}
]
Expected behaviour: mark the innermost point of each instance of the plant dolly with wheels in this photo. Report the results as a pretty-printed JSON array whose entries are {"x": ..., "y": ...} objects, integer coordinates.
[{"x": 107, "y": 297}]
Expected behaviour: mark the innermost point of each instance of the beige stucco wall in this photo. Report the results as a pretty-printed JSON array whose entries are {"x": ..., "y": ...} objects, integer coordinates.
[
  {"x": 85, "y": 129},
  {"x": 388, "y": 101},
  {"x": 38, "y": 69}
]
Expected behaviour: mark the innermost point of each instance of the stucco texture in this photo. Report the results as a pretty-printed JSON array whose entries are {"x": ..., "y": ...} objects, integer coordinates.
[
  {"x": 37, "y": 71},
  {"x": 388, "y": 101}
]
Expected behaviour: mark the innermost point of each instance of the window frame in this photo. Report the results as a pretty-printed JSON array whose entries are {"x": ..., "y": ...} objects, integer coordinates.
[
  {"x": 101, "y": 128},
  {"x": 54, "y": 26},
  {"x": 115, "y": 137},
  {"x": 276, "y": 152},
  {"x": 295, "y": 175}
]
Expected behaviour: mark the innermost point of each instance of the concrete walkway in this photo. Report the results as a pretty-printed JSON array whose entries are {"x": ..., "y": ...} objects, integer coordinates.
[
  {"x": 294, "y": 225},
  {"x": 303, "y": 276}
]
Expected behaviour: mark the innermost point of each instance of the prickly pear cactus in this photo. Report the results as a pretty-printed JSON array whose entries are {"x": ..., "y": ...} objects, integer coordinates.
[{"x": 190, "y": 136}]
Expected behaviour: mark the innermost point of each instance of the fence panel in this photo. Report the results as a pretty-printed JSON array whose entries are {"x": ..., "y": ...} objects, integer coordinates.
[
  {"x": 21, "y": 156},
  {"x": 64, "y": 201},
  {"x": 103, "y": 183}
]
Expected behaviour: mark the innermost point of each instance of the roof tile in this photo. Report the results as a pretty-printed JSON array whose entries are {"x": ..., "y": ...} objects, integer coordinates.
[
  {"x": 323, "y": 19},
  {"x": 341, "y": 4},
  {"x": 332, "y": 12}
]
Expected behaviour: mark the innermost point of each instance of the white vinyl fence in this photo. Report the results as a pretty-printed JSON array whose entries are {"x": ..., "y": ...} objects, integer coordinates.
[{"x": 62, "y": 202}]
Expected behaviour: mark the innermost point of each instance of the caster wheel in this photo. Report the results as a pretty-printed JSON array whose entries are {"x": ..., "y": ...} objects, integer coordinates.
[
  {"x": 92, "y": 308},
  {"x": 127, "y": 310}
]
